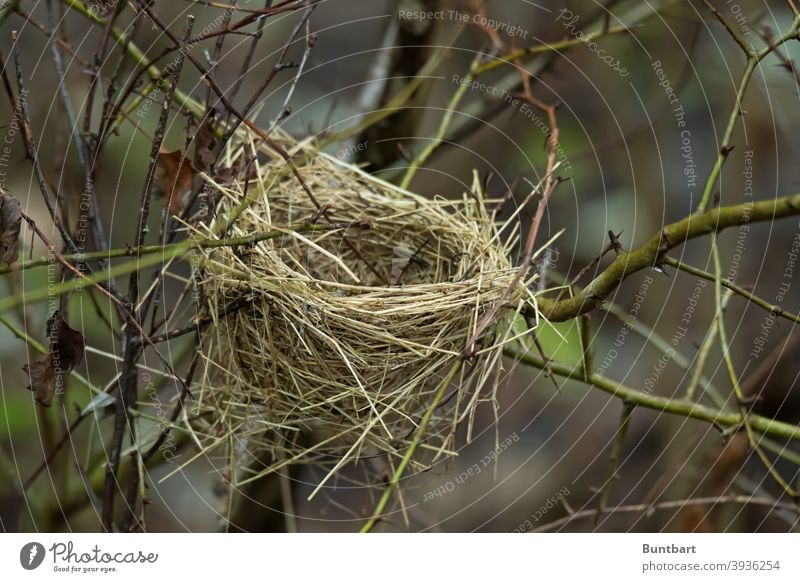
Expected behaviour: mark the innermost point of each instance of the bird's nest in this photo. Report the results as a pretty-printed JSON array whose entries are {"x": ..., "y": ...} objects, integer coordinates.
[{"x": 348, "y": 316}]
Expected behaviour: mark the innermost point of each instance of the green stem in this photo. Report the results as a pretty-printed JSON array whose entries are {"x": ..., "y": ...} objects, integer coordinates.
[
  {"x": 724, "y": 149},
  {"x": 734, "y": 377},
  {"x": 616, "y": 454},
  {"x": 650, "y": 253},
  {"x": 437, "y": 140},
  {"x": 650, "y": 335},
  {"x": 139, "y": 56},
  {"x": 548, "y": 48},
  {"x": 397, "y": 102},
  {"x": 158, "y": 254},
  {"x": 673, "y": 406},
  {"x": 753, "y": 59},
  {"x": 776, "y": 309},
  {"x": 418, "y": 434}
]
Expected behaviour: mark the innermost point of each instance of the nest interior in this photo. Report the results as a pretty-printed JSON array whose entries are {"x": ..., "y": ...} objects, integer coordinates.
[{"x": 351, "y": 316}]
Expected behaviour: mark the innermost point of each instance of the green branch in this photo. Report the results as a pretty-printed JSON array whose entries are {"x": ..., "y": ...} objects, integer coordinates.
[
  {"x": 139, "y": 56},
  {"x": 418, "y": 434},
  {"x": 753, "y": 59},
  {"x": 651, "y": 253},
  {"x": 539, "y": 49},
  {"x": 153, "y": 255},
  {"x": 766, "y": 305},
  {"x": 681, "y": 407}
]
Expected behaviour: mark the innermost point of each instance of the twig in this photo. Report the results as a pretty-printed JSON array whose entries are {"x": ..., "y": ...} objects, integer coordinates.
[
  {"x": 549, "y": 184},
  {"x": 30, "y": 146},
  {"x": 84, "y": 152},
  {"x": 753, "y": 59},
  {"x": 279, "y": 64},
  {"x": 441, "y": 131},
  {"x": 741, "y": 399},
  {"x": 738, "y": 290},
  {"x": 748, "y": 50},
  {"x": 613, "y": 462},
  {"x": 251, "y": 51},
  {"x": 703, "y": 353},
  {"x": 420, "y": 430},
  {"x": 651, "y": 253},
  {"x": 129, "y": 377},
  {"x": 676, "y": 504},
  {"x": 679, "y": 407},
  {"x": 547, "y": 48},
  {"x": 157, "y": 255}
]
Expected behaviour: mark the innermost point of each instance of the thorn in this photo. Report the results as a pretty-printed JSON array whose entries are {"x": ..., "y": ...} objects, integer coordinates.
[
  {"x": 664, "y": 245},
  {"x": 660, "y": 269},
  {"x": 614, "y": 239},
  {"x": 487, "y": 180}
]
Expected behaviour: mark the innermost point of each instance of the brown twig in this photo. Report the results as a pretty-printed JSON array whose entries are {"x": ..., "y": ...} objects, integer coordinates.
[
  {"x": 127, "y": 385},
  {"x": 549, "y": 184}
]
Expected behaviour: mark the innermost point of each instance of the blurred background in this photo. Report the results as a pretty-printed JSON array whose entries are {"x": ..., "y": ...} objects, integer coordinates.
[{"x": 639, "y": 130}]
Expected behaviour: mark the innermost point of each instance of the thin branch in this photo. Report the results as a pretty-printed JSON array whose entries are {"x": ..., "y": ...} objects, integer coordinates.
[
  {"x": 676, "y": 504},
  {"x": 740, "y": 40},
  {"x": 419, "y": 431},
  {"x": 741, "y": 399},
  {"x": 547, "y": 48},
  {"x": 613, "y": 462},
  {"x": 753, "y": 59},
  {"x": 679, "y": 407},
  {"x": 441, "y": 131},
  {"x": 652, "y": 252},
  {"x": 549, "y": 184},
  {"x": 126, "y": 397},
  {"x": 776, "y": 310}
]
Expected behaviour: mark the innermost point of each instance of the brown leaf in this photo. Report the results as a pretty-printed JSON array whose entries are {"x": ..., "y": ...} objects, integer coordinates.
[
  {"x": 48, "y": 375},
  {"x": 206, "y": 144},
  {"x": 10, "y": 223},
  {"x": 172, "y": 179},
  {"x": 42, "y": 380}
]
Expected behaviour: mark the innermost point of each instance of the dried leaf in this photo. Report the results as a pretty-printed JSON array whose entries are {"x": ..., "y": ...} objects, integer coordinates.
[
  {"x": 206, "y": 144},
  {"x": 10, "y": 223},
  {"x": 172, "y": 179},
  {"x": 43, "y": 382},
  {"x": 48, "y": 375}
]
